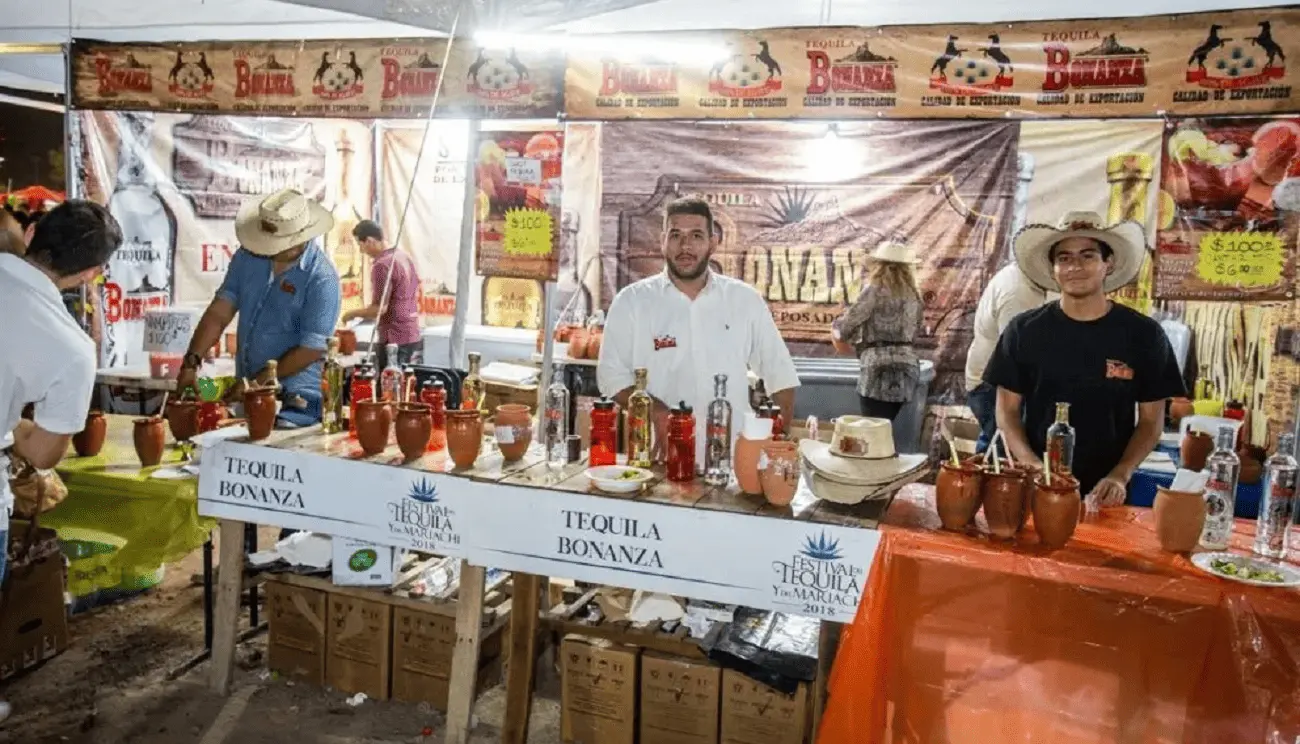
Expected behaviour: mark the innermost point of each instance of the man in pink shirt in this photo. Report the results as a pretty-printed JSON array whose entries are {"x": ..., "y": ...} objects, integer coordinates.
[{"x": 399, "y": 313}]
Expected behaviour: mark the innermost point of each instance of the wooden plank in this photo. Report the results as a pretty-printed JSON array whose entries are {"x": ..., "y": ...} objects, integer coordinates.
[
  {"x": 828, "y": 643},
  {"x": 230, "y": 582},
  {"x": 664, "y": 491},
  {"x": 523, "y": 656},
  {"x": 541, "y": 475},
  {"x": 492, "y": 467},
  {"x": 730, "y": 498},
  {"x": 464, "y": 660},
  {"x": 801, "y": 508},
  {"x": 623, "y": 633},
  {"x": 865, "y": 514}
]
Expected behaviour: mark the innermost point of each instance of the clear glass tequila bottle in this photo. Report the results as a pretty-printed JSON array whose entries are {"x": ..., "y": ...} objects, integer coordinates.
[
  {"x": 555, "y": 423},
  {"x": 640, "y": 407},
  {"x": 1277, "y": 509},
  {"x": 717, "y": 451},
  {"x": 1224, "y": 469}
]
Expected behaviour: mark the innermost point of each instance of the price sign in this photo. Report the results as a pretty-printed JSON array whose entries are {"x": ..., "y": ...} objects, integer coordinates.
[
  {"x": 524, "y": 171},
  {"x": 169, "y": 331},
  {"x": 528, "y": 232},
  {"x": 1241, "y": 259}
]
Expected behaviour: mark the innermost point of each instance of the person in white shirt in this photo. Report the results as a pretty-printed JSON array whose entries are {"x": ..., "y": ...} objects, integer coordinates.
[
  {"x": 1009, "y": 294},
  {"x": 689, "y": 323},
  {"x": 48, "y": 360}
]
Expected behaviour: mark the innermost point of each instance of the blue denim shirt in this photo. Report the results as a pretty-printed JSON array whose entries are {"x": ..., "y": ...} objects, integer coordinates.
[{"x": 277, "y": 313}]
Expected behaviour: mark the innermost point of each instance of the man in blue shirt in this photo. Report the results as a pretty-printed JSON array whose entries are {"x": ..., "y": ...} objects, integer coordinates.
[{"x": 286, "y": 293}]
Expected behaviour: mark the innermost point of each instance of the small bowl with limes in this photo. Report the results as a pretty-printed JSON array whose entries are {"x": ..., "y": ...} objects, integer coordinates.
[{"x": 619, "y": 478}]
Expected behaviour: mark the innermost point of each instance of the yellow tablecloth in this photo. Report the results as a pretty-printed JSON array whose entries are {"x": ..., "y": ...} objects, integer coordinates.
[{"x": 112, "y": 500}]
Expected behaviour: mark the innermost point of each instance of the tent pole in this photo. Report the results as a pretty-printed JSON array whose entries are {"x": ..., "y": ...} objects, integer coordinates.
[{"x": 465, "y": 264}]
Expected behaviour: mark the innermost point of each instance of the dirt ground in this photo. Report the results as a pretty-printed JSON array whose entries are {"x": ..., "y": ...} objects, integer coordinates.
[{"x": 111, "y": 687}]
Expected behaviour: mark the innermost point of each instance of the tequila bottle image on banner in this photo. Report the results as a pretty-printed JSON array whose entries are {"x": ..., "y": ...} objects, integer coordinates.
[
  {"x": 139, "y": 275},
  {"x": 1129, "y": 175},
  {"x": 339, "y": 242}
]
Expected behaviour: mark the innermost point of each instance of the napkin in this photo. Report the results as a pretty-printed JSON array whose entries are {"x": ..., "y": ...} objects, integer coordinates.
[{"x": 1190, "y": 481}]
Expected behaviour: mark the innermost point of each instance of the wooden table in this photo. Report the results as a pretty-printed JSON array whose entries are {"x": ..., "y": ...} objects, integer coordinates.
[{"x": 336, "y": 452}]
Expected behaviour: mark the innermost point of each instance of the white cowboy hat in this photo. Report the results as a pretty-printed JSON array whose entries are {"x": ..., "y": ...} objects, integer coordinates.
[
  {"x": 892, "y": 251},
  {"x": 860, "y": 453},
  {"x": 1127, "y": 241},
  {"x": 270, "y": 225}
]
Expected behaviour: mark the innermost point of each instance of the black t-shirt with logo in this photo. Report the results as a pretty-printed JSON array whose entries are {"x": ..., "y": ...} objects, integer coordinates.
[{"x": 1102, "y": 368}]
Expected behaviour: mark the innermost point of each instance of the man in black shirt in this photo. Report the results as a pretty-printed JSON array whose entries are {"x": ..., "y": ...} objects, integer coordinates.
[{"x": 1113, "y": 365}]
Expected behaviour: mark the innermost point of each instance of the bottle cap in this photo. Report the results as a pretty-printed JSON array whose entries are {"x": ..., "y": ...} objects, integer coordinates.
[
  {"x": 604, "y": 404},
  {"x": 683, "y": 409}
]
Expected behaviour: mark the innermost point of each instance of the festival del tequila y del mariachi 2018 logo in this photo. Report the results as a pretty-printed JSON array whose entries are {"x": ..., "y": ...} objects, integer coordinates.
[
  {"x": 817, "y": 581},
  {"x": 421, "y": 517}
]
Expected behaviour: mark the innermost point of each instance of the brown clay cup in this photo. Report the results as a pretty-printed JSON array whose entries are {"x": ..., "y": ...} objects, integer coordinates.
[
  {"x": 259, "y": 412},
  {"x": 957, "y": 492},
  {"x": 1003, "y": 495},
  {"x": 1195, "y": 450},
  {"x": 514, "y": 430},
  {"x": 90, "y": 440},
  {"x": 780, "y": 477},
  {"x": 744, "y": 463},
  {"x": 183, "y": 419},
  {"x": 149, "y": 440},
  {"x": 464, "y": 437},
  {"x": 413, "y": 426},
  {"x": 1056, "y": 510},
  {"x": 1180, "y": 517},
  {"x": 374, "y": 420},
  {"x": 347, "y": 341}
]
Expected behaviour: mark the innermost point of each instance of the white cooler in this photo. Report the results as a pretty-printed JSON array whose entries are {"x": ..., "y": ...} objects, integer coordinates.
[{"x": 514, "y": 345}]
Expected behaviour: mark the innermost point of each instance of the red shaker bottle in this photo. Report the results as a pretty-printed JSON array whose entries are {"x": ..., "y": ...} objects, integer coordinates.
[
  {"x": 435, "y": 394},
  {"x": 362, "y": 388},
  {"x": 681, "y": 444},
  {"x": 604, "y": 433}
]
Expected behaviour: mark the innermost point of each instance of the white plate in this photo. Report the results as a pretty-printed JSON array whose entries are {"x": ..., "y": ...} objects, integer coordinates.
[
  {"x": 1290, "y": 574},
  {"x": 606, "y": 478}
]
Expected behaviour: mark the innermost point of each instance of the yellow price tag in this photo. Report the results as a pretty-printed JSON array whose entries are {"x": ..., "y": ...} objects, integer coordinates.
[
  {"x": 528, "y": 233},
  {"x": 1241, "y": 259}
]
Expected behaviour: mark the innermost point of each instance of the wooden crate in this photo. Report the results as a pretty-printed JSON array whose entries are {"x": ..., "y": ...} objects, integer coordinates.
[
  {"x": 423, "y": 644},
  {"x": 563, "y": 620},
  {"x": 296, "y": 630}
]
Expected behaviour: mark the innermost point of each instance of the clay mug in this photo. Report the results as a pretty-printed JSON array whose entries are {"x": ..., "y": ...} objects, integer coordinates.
[
  {"x": 1180, "y": 517},
  {"x": 957, "y": 494},
  {"x": 1056, "y": 509},
  {"x": 744, "y": 462},
  {"x": 1195, "y": 449},
  {"x": 90, "y": 440},
  {"x": 347, "y": 341},
  {"x": 259, "y": 412},
  {"x": 513, "y": 426},
  {"x": 1003, "y": 495},
  {"x": 1252, "y": 468},
  {"x": 595, "y": 337},
  {"x": 578, "y": 340},
  {"x": 149, "y": 440},
  {"x": 183, "y": 419},
  {"x": 464, "y": 436},
  {"x": 374, "y": 420},
  {"x": 779, "y": 472},
  {"x": 414, "y": 425}
]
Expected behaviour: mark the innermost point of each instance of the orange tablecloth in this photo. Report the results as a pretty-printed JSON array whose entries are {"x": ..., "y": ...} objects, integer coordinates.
[{"x": 960, "y": 639}]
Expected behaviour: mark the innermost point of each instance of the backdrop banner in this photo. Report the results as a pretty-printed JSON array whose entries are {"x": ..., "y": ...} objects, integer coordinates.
[
  {"x": 1194, "y": 64},
  {"x": 1229, "y": 210},
  {"x": 374, "y": 78}
]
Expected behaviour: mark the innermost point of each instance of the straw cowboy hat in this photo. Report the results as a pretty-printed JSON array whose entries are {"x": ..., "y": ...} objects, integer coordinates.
[
  {"x": 892, "y": 251},
  {"x": 1127, "y": 241},
  {"x": 859, "y": 462},
  {"x": 270, "y": 225}
]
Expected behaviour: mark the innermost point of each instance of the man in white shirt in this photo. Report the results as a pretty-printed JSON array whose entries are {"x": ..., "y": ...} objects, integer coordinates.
[
  {"x": 1009, "y": 294},
  {"x": 689, "y": 323},
  {"x": 47, "y": 359}
]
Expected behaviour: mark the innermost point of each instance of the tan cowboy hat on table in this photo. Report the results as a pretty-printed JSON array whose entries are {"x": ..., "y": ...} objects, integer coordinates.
[
  {"x": 1127, "y": 242},
  {"x": 892, "y": 251},
  {"x": 270, "y": 225},
  {"x": 859, "y": 462}
]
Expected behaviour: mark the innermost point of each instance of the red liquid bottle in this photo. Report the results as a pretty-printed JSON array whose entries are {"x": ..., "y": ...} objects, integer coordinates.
[
  {"x": 362, "y": 388},
  {"x": 604, "y": 433},
  {"x": 681, "y": 444},
  {"x": 435, "y": 394}
]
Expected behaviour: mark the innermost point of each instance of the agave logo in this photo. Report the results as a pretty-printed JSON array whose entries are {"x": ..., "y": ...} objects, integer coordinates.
[
  {"x": 422, "y": 518},
  {"x": 817, "y": 580},
  {"x": 822, "y": 549},
  {"x": 424, "y": 491}
]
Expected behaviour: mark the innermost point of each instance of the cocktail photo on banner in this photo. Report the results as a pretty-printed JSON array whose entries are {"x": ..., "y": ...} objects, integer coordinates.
[{"x": 544, "y": 375}]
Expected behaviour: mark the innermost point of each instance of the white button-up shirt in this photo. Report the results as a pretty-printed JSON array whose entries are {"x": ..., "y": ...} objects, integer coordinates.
[{"x": 727, "y": 329}]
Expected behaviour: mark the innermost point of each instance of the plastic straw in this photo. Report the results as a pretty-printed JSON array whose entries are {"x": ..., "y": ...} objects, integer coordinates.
[
  {"x": 952, "y": 445},
  {"x": 993, "y": 447}
]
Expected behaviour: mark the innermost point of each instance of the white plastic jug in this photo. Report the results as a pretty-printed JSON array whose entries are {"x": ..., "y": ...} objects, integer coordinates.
[{"x": 1206, "y": 425}]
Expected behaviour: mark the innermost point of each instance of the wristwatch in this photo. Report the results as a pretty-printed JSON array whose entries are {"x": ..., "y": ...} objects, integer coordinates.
[{"x": 191, "y": 360}]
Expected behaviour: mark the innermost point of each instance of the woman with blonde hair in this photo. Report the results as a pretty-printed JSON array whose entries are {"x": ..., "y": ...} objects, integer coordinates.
[{"x": 880, "y": 329}]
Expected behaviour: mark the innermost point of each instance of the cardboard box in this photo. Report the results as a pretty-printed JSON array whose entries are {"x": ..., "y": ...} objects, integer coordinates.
[
  {"x": 598, "y": 692},
  {"x": 33, "y": 618},
  {"x": 423, "y": 643},
  {"x": 753, "y": 713},
  {"x": 359, "y": 563},
  {"x": 358, "y": 643},
  {"x": 296, "y": 633},
  {"x": 680, "y": 700}
]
